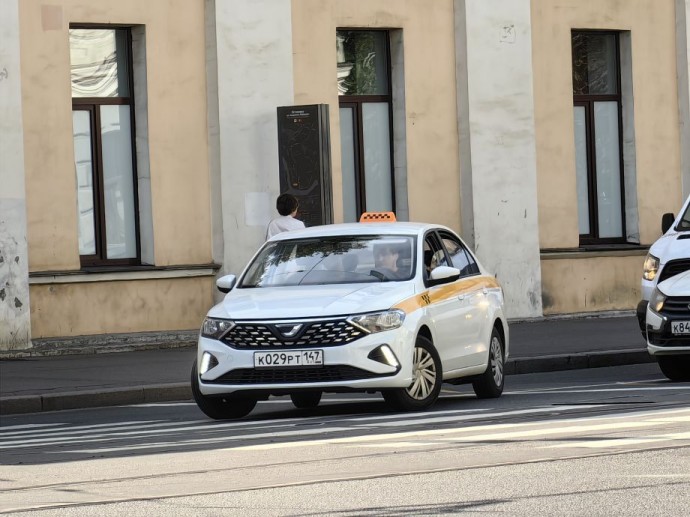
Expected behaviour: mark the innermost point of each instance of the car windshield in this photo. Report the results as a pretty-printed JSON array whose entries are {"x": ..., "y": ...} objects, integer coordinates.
[{"x": 333, "y": 260}]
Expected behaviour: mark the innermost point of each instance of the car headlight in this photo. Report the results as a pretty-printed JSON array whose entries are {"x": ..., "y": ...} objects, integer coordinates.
[
  {"x": 656, "y": 301},
  {"x": 651, "y": 267},
  {"x": 215, "y": 328},
  {"x": 379, "y": 321}
]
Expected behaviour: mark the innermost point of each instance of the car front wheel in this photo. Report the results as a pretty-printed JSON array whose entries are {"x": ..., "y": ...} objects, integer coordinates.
[
  {"x": 490, "y": 384},
  {"x": 427, "y": 377},
  {"x": 220, "y": 408},
  {"x": 674, "y": 367}
]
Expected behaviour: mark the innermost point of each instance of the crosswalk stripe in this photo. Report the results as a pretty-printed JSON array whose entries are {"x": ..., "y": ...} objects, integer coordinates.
[
  {"x": 599, "y": 390},
  {"x": 375, "y": 427},
  {"x": 67, "y": 437},
  {"x": 5, "y": 428},
  {"x": 480, "y": 433},
  {"x": 297, "y": 433},
  {"x": 76, "y": 429},
  {"x": 616, "y": 442},
  {"x": 436, "y": 420}
]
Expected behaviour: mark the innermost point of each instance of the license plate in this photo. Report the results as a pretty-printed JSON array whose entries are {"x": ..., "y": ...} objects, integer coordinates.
[
  {"x": 680, "y": 327},
  {"x": 288, "y": 358}
]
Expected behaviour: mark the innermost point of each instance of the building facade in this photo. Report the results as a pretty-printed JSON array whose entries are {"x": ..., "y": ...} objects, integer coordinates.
[{"x": 140, "y": 156}]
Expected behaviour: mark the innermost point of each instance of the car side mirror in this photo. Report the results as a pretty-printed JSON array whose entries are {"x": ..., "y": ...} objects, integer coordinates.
[
  {"x": 667, "y": 222},
  {"x": 226, "y": 283},
  {"x": 443, "y": 275}
]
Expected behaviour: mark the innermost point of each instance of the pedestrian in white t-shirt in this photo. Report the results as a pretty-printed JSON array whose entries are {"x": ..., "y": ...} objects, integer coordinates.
[{"x": 287, "y": 208}]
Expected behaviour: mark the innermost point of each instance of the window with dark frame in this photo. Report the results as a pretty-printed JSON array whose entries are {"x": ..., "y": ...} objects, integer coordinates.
[
  {"x": 598, "y": 137},
  {"x": 459, "y": 256},
  {"x": 364, "y": 89},
  {"x": 104, "y": 146}
]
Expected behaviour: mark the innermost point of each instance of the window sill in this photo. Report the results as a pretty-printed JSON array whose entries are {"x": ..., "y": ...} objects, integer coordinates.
[
  {"x": 115, "y": 274},
  {"x": 595, "y": 251}
]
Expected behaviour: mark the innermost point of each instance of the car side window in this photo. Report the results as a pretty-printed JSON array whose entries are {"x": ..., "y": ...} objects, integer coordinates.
[
  {"x": 459, "y": 256},
  {"x": 434, "y": 255}
]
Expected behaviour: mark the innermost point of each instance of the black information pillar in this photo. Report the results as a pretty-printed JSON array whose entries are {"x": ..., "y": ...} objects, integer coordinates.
[{"x": 304, "y": 152}]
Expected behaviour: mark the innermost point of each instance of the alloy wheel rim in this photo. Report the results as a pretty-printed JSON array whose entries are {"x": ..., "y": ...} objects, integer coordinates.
[
  {"x": 497, "y": 361},
  {"x": 424, "y": 371}
]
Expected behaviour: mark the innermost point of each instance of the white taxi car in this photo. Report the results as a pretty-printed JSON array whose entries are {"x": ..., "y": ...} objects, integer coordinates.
[
  {"x": 390, "y": 307},
  {"x": 668, "y": 326}
]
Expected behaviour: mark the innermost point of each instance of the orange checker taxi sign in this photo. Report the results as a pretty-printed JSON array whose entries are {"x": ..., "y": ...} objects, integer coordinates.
[{"x": 378, "y": 306}]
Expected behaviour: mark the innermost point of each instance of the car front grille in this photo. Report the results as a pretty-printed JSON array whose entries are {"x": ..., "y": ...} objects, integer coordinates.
[
  {"x": 328, "y": 373},
  {"x": 270, "y": 335},
  {"x": 674, "y": 267},
  {"x": 677, "y": 307}
]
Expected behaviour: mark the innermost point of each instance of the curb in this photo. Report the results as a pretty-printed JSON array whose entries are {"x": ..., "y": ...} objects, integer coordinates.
[
  {"x": 555, "y": 363},
  {"x": 95, "y": 398},
  {"x": 182, "y": 391}
]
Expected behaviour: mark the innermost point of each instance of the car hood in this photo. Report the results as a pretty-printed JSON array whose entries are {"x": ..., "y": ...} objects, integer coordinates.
[
  {"x": 678, "y": 285},
  {"x": 311, "y": 301},
  {"x": 671, "y": 246}
]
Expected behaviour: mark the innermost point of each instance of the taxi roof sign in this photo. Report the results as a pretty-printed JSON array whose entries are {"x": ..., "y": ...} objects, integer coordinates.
[{"x": 378, "y": 217}]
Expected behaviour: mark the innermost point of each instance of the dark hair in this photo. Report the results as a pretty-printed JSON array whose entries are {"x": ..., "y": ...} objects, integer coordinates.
[
  {"x": 286, "y": 204},
  {"x": 382, "y": 246}
]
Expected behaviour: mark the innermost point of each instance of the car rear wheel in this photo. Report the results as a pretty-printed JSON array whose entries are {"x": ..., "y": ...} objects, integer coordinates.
[
  {"x": 490, "y": 384},
  {"x": 220, "y": 408},
  {"x": 306, "y": 400},
  {"x": 676, "y": 368},
  {"x": 427, "y": 379}
]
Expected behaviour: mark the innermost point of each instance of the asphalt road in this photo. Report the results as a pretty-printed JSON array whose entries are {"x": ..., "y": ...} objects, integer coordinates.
[{"x": 598, "y": 441}]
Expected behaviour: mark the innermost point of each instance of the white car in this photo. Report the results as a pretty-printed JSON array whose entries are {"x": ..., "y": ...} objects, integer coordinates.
[
  {"x": 389, "y": 307},
  {"x": 668, "y": 256},
  {"x": 668, "y": 326}
]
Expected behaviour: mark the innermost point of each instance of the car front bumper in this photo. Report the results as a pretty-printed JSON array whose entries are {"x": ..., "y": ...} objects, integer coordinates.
[
  {"x": 660, "y": 339},
  {"x": 345, "y": 367}
]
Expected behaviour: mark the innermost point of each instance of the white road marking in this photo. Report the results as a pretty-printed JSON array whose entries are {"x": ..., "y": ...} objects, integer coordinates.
[
  {"x": 600, "y": 390},
  {"x": 78, "y": 429},
  {"x": 480, "y": 432},
  {"x": 436, "y": 420},
  {"x": 414, "y": 416},
  {"x": 296, "y": 432},
  {"x": 618, "y": 442},
  {"x": 5, "y": 428}
]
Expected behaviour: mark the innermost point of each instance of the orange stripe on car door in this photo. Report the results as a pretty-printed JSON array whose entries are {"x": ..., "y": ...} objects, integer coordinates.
[{"x": 443, "y": 292}]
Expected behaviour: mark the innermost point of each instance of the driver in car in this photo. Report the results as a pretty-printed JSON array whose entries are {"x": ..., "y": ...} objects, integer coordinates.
[{"x": 386, "y": 257}]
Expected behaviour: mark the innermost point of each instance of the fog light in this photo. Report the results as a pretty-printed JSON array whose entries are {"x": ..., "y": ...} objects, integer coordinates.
[
  {"x": 385, "y": 355},
  {"x": 208, "y": 361}
]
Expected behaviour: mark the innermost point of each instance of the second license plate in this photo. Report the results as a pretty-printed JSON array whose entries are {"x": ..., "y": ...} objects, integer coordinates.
[
  {"x": 288, "y": 358},
  {"x": 680, "y": 327}
]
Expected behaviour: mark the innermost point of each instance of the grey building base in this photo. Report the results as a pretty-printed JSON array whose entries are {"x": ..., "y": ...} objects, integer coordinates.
[{"x": 105, "y": 343}]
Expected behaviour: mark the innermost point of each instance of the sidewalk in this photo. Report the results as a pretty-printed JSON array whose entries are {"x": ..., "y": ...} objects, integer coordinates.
[{"x": 51, "y": 383}]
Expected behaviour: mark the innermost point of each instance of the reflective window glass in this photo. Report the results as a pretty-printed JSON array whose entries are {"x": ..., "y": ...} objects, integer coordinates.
[
  {"x": 594, "y": 63},
  {"x": 362, "y": 62},
  {"x": 83, "y": 167},
  {"x": 118, "y": 179},
  {"x": 459, "y": 256},
  {"x": 98, "y": 63},
  {"x": 377, "y": 157}
]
